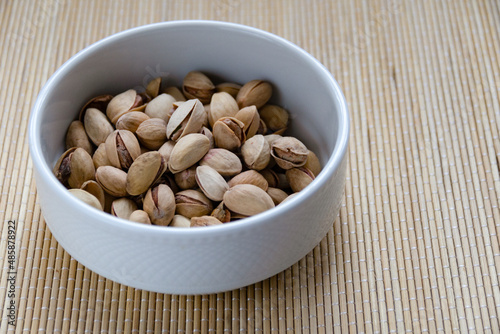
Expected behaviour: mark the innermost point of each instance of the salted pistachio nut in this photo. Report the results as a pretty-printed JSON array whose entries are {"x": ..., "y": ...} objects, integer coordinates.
[
  {"x": 221, "y": 105},
  {"x": 313, "y": 163},
  {"x": 251, "y": 120},
  {"x": 192, "y": 203},
  {"x": 187, "y": 118},
  {"x": 131, "y": 121},
  {"x": 211, "y": 183},
  {"x": 153, "y": 87},
  {"x": 228, "y": 87},
  {"x": 160, "y": 107},
  {"x": 166, "y": 150},
  {"x": 249, "y": 177},
  {"x": 112, "y": 180},
  {"x": 271, "y": 177},
  {"x": 144, "y": 171},
  {"x": 189, "y": 150},
  {"x": 180, "y": 221},
  {"x": 98, "y": 102},
  {"x": 247, "y": 200},
  {"x": 221, "y": 213},
  {"x": 255, "y": 92},
  {"x": 97, "y": 126},
  {"x": 122, "y": 148},
  {"x": 100, "y": 157},
  {"x": 256, "y": 153},
  {"x": 95, "y": 189},
  {"x": 272, "y": 138},
  {"x": 151, "y": 133},
  {"x": 123, "y": 103},
  {"x": 204, "y": 221},
  {"x": 86, "y": 197},
  {"x": 159, "y": 203},
  {"x": 223, "y": 161},
  {"x": 175, "y": 92},
  {"x": 277, "y": 195},
  {"x": 228, "y": 133},
  {"x": 197, "y": 85},
  {"x": 140, "y": 216},
  {"x": 275, "y": 117},
  {"x": 74, "y": 167},
  {"x": 299, "y": 178},
  {"x": 76, "y": 136},
  {"x": 289, "y": 152},
  {"x": 289, "y": 197},
  {"x": 123, "y": 207},
  {"x": 208, "y": 133},
  {"x": 186, "y": 179}
]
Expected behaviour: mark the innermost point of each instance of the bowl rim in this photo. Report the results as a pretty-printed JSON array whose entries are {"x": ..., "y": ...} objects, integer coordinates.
[{"x": 331, "y": 166}]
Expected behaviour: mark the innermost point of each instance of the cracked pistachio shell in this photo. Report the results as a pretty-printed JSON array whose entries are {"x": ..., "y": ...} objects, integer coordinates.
[
  {"x": 222, "y": 105},
  {"x": 228, "y": 87},
  {"x": 299, "y": 178},
  {"x": 228, "y": 133},
  {"x": 77, "y": 137},
  {"x": 192, "y": 203},
  {"x": 112, "y": 180},
  {"x": 160, "y": 107},
  {"x": 255, "y": 92},
  {"x": 99, "y": 102},
  {"x": 204, "y": 221},
  {"x": 275, "y": 117},
  {"x": 221, "y": 213},
  {"x": 277, "y": 195},
  {"x": 211, "y": 183},
  {"x": 197, "y": 85},
  {"x": 188, "y": 151},
  {"x": 151, "y": 133},
  {"x": 175, "y": 92},
  {"x": 131, "y": 121},
  {"x": 86, "y": 197},
  {"x": 272, "y": 138},
  {"x": 251, "y": 118},
  {"x": 159, "y": 203},
  {"x": 100, "y": 157},
  {"x": 188, "y": 118},
  {"x": 247, "y": 200},
  {"x": 271, "y": 177},
  {"x": 95, "y": 189},
  {"x": 250, "y": 177},
  {"x": 122, "y": 148},
  {"x": 256, "y": 152},
  {"x": 140, "y": 216},
  {"x": 223, "y": 161},
  {"x": 144, "y": 171},
  {"x": 74, "y": 167},
  {"x": 180, "y": 221},
  {"x": 153, "y": 87},
  {"x": 312, "y": 163},
  {"x": 289, "y": 152},
  {"x": 206, "y": 131},
  {"x": 186, "y": 179},
  {"x": 123, "y": 207},
  {"x": 166, "y": 150},
  {"x": 97, "y": 126},
  {"x": 123, "y": 103},
  {"x": 262, "y": 128}
]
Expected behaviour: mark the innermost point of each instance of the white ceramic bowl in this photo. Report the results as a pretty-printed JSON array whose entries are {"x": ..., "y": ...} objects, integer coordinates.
[{"x": 201, "y": 260}]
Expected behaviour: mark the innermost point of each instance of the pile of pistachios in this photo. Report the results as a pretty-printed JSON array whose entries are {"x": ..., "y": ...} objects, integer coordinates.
[{"x": 199, "y": 155}]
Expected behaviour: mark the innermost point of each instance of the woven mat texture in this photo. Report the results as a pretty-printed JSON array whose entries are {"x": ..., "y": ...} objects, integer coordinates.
[{"x": 415, "y": 247}]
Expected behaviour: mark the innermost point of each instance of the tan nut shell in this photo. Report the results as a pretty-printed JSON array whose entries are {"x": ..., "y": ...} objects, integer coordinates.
[
  {"x": 223, "y": 161},
  {"x": 197, "y": 85},
  {"x": 131, "y": 121},
  {"x": 121, "y": 104},
  {"x": 299, "y": 178},
  {"x": 255, "y": 92},
  {"x": 204, "y": 221},
  {"x": 221, "y": 105},
  {"x": 77, "y": 137},
  {"x": 74, "y": 167},
  {"x": 211, "y": 183},
  {"x": 186, "y": 179},
  {"x": 159, "y": 203},
  {"x": 188, "y": 151},
  {"x": 175, "y": 92},
  {"x": 122, "y": 148},
  {"x": 160, "y": 107},
  {"x": 86, "y": 197},
  {"x": 97, "y": 126},
  {"x": 250, "y": 177},
  {"x": 277, "y": 195},
  {"x": 228, "y": 133},
  {"x": 144, "y": 171},
  {"x": 247, "y": 199},
  {"x": 256, "y": 153},
  {"x": 151, "y": 133},
  {"x": 192, "y": 203},
  {"x": 112, "y": 180},
  {"x": 123, "y": 207},
  {"x": 95, "y": 189},
  {"x": 289, "y": 152},
  {"x": 153, "y": 87},
  {"x": 180, "y": 221},
  {"x": 99, "y": 102},
  {"x": 140, "y": 216},
  {"x": 251, "y": 118},
  {"x": 187, "y": 118},
  {"x": 100, "y": 157},
  {"x": 229, "y": 87},
  {"x": 275, "y": 117},
  {"x": 312, "y": 163}
]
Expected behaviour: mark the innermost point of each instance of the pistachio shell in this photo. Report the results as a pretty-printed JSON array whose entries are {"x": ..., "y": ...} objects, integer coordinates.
[
  {"x": 289, "y": 152},
  {"x": 211, "y": 183},
  {"x": 140, "y": 216},
  {"x": 144, "y": 171},
  {"x": 223, "y": 161},
  {"x": 312, "y": 163},
  {"x": 153, "y": 87},
  {"x": 151, "y": 133},
  {"x": 180, "y": 221},
  {"x": 299, "y": 178},
  {"x": 97, "y": 126},
  {"x": 275, "y": 117},
  {"x": 247, "y": 199},
  {"x": 175, "y": 92},
  {"x": 131, "y": 121},
  {"x": 166, "y": 150},
  {"x": 277, "y": 195},
  {"x": 271, "y": 177},
  {"x": 160, "y": 107},
  {"x": 204, "y": 221},
  {"x": 289, "y": 197},
  {"x": 229, "y": 87},
  {"x": 86, "y": 197},
  {"x": 77, "y": 137},
  {"x": 159, "y": 203},
  {"x": 222, "y": 105},
  {"x": 272, "y": 138},
  {"x": 221, "y": 213},
  {"x": 228, "y": 133},
  {"x": 197, "y": 85},
  {"x": 112, "y": 180},
  {"x": 123, "y": 207},
  {"x": 187, "y": 118},
  {"x": 188, "y": 151},
  {"x": 121, "y": 104},
  {"x": 99, "y": 102},
  {"x": 255, "y": 92},
  {"x": 74, "y": 167},
  {"x": 251, "y": 118},
  {"x": 186, "y": 179},
  {"x": 249, "y": 177},
  {"x": 206, "y": 131},
  {"x": 100, "y": 157},
  {"x": 95, "y": 189},
  {"x": 122, "y": 148},
  {"x": 256, "y": 152},
  {"x": 192, "y": 203}
]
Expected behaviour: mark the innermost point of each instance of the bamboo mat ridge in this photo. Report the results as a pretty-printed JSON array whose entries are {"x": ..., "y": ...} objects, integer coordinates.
[{"x": 416, "y": 245}]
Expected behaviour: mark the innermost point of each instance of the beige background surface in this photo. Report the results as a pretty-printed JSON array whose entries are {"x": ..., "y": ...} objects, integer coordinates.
[{"x": 415, "y": 247}]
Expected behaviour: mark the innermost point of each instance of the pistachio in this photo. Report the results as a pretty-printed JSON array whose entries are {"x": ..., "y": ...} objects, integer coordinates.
[
  {"x": 289, "y": 197},
  {"x": 159, "y": 203},
  {"x": 123, "y": 207},
  {"x": 144, "y": 171},
  {"x": 277, "y": 195},
  {"x": 180, "y": 221},
  {"x": 95, "y": 189},
  {"x": 188, "y": 151},
  {"x": 97, "y": 126},
  {"x": 197, "y": 85},
  {"x": 211, "y": 183},
  {"x": 99, "y": 102},
  {"x": 229, "y": 87},
  {"x": 272, "y": 138},
  {"x": 77, "y": 137},
  {"x": 249, "y": 177},
  {"x": 222, "y": 105},
  {"x": 312, "y": 163},
  {"x": 153, "y": 87},
  {"x": 187, "y": 118},
  {"x": 192, "y": 203},
  {"x": 204, "y": 221},
  {"x": 247, "y": 199},
  {"x": 167, "y": 179},
  {"x": 256, "y": 152},
  {"x": 112, "y": 180},
  {"x": 140, "y": 216},
  {"x": 166, "y": 150},
  {"x": 206, "y": 131},
  {"x": 271, "y": 177},
  {"x": 186, "y": 179},
  {"x": 131, "y": 121},
  {"x": 100, "y": 157},
  {"x": 86, "y": 197},
  {"x": 123, "y": 103},
  {"x": 255, "y": 92},
  {"x": 160, "y": 107},
  {"x": 221, "y": 213},
  {"x": 175, "y": 92},
  {"x": 223, "y": 161},
  {"x": 74, "y": 167},
  {"x": 250, "y": 117},
  {"x": 289, "y": 152},
  {"x": 122, "y": 148},
  {"x": 151, "y": 133},
  {"x": 299, "y": 178},
  {"x": 275, "y": 117},
  {"x": 262, "y": 128},
  {"x": 228, "y": 133}
]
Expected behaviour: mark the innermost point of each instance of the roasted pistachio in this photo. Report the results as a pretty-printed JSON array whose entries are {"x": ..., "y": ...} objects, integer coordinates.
[
  {"x": 180, "y": 221},
  {"x": 100, "y": 157},
  {"x": 255, "y": 92},
  {"x": 123, "y": 207},
  {"x": 99, "y": 102},
  {"x": 187, "y": 118},
  {"x": 299, "y": 178},
  {"x": 188, "y": 151},
  {"x": 250, "y": 118},
  {"x": 159, "y": 203},
  {"x": 289, "y": 152},
  {"x": 204, "y": 221},
  {"x": 175, "y": 92},
  {"x": 144, "y": 171},
  {"x": 86, "y": 197},
  {"x": 256, "y": 152},
  {"x": 95, "y": 189},
  {"x": 122, "y": 148},
  {"x": 277, "y": 195},
  {"x": 211, "y": 183},
  {"x": 222, "y": 105},
  {"x": 123, "y": 103},
  {"x": 250, "y": 177},
  {"x": 275, "y": 117},
  {"x": 221, "y": 213},
  {"x": 112, "y": 180},
  {"x": 153, "y": 87},
  {"x": 247, "y": 199},
  {"x": 97, "y": 126},
  {"x": 131, "y": 121},
  {"x": 74, "y": 167},
  {"x": 223, "y": 161},
  {"x": 197, "y": 85},
  {"x": 312, "y": 163},
  {"x": 228, "y": 133},
  {"x": 77, "y": 137},
  {"x": 152, "y": 133},
  {"x": 186, "y": 179},
  {"x": 192, "y": 203},
  {"x": 140, "y": 216},
  {"x": 160, "y": 107},
  {"x": 229, "y": 87}
]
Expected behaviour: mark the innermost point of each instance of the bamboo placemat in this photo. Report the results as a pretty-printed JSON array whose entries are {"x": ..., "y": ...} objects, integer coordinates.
[{"x": 415, "y": 247}]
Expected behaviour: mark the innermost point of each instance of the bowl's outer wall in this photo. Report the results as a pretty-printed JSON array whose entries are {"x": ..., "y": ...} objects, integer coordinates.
[{"x": 208, "y": 260}]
